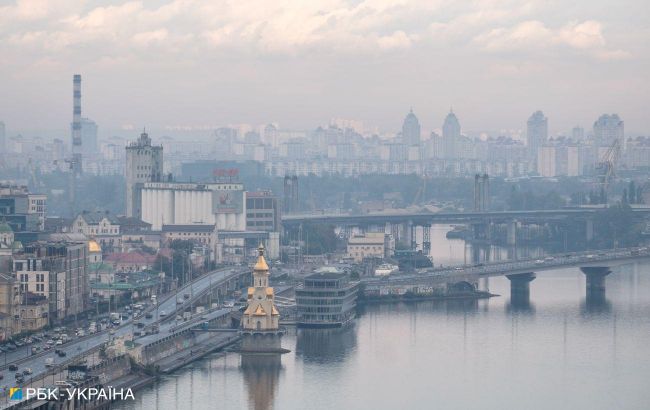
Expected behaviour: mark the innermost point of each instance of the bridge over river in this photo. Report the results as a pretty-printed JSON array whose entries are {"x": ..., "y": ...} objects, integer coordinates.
[
  {"x": 403, "y": 223},
  {"x": 596, "y": 265}
]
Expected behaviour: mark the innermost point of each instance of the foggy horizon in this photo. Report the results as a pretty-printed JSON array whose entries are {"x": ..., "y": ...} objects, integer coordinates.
[{"x": 185, "y": 63}]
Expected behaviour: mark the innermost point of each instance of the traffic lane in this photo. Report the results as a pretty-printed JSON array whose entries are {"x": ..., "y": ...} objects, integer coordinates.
[
  {"x": 37, "y": 365},
  {"x": 76, "y": 347}
]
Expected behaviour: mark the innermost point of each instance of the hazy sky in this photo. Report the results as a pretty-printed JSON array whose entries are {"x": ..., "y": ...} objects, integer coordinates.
[{"x": 300, "y": 63}]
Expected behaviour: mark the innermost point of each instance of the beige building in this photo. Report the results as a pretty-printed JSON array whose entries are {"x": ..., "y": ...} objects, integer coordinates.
[
  {"x": 33, "y": 313},
  {"x": 369, "y": 245},
  {"x": 102, "y": 226},
  {"x": 261, "y": 313},
  {"x": 8, "y": 292}
]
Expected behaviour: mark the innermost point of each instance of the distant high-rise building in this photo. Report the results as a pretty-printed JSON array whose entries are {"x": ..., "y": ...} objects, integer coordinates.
[
  {"x": 577, "y": 133},
  {"x": 271, "y": 135},
  {"x": 144, "y": 163},
  {"x": 290, "y": 200},
  {"x": 536, "y": 132},
  {"x": 607, "y": 129},
  {"x": 3, "y": 137},
  {"x": 411, "y": 129},
  {"x": 451, "y": 135},
  {"x": 89, "y": 136}
]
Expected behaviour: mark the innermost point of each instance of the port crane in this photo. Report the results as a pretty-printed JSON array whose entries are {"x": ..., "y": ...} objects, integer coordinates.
[{"x": 606, "y": 167}]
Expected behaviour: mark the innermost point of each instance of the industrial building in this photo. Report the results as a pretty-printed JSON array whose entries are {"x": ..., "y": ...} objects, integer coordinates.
[
  {"x": 181, "y": 203},
  {"x": 144, "y": 163}
]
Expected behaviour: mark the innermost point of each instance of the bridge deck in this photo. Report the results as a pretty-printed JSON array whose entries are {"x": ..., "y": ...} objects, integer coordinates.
[{"x": 578, "y": 259}]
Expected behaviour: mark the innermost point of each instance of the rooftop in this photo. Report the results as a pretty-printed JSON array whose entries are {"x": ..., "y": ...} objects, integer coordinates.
[
  {"x": 326, "y": 276},
  {"x": 188, "y": 228},
  {"x": 130, "y": 257},
  {"x": 94, "y": 218}
]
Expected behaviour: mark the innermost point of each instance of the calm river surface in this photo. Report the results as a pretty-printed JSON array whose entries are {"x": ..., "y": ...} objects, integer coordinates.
[{"x": 558, "y": 353}]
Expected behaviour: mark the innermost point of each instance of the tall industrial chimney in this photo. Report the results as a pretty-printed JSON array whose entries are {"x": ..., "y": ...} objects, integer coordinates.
[{"x": 75, "y": 165}]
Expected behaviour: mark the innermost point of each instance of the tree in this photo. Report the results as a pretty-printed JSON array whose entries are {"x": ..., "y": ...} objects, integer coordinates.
[
  {"x": 617, "y": 226},
  {"x": 319, "y": 239}
]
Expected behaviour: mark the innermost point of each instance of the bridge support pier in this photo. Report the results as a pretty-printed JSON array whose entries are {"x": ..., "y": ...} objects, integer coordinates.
[
  {"x": 410, "y": 235},
  {"x": 426, "y": 238},
  {"x": 512, "y": 232},
  {"x": 520, "y": 288},
  {"x": 595, "y": 300},
  {"x": 589, "y": 229},
  {"x": 596, "y": 279}
]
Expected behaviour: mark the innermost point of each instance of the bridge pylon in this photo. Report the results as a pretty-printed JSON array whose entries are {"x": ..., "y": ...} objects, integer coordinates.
[{"x": 520, "y": 288}]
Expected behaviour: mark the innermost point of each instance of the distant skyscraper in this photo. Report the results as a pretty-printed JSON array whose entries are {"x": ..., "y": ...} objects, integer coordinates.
[
  {"x": 144, "y": 163},
  {"x": 607, "y": 129},
  {"x": 451, "y": 135},
  {"x": 536, "y": 132},
  {"x": 411, "y": 129},
  {"x": 3, "y": 138},
  {"x": 89, "y": 136},
  {"x": 271, "y": 135},
  {"x": 578, "y": 133}
]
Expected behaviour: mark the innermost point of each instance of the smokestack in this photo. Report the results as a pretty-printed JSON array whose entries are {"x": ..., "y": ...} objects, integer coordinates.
[{"x": 76, "y": 124}]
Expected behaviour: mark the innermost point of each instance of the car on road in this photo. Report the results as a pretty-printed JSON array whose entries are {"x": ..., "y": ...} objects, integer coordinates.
[
  {"x": 163, "y": 313},
  {"x": 148, "y": 316},
  {"x": 539, "y": 262},
  {"x": 27, "y": 371},
  {"x": 13, "y": 367}
]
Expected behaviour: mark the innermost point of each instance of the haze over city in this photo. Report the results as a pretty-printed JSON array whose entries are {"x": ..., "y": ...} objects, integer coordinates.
[
  {"x": 194, "y": 64},
  {"x": 327, "y": 204}
]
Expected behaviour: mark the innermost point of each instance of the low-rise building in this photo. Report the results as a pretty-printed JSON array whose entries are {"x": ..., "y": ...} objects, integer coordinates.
[
  {"x": 262, "y": 211},
  {"x": 130, "y": 261},
  {"x": 8, "y": 292},
  {"x": 102, "y": 226},
  {"x": 327, "y": 298},
  {"x": 33, "y": 312},
  {"x": 369, "y": 245}
]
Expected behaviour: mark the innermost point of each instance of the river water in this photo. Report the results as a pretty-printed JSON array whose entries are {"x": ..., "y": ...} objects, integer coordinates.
[{"x": 558, "y": 352}]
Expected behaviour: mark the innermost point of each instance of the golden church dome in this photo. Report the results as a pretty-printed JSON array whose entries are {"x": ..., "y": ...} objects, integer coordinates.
[
  {"x": 93, "y": 246},
  {"x": 261, "y": 265}
]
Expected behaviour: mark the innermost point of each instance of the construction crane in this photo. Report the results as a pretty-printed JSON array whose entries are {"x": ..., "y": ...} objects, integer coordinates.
[{"x": 606, "y": 166}]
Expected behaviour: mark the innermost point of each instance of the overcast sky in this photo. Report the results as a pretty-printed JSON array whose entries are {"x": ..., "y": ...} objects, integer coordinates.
[{"x": 300, "y": 63}]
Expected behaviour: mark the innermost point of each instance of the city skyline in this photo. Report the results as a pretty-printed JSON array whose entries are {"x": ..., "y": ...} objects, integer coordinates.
[{"x": 174, "y": 63}]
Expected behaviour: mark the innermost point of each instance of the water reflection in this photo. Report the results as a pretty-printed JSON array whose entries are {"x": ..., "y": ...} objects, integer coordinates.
[
  {"x": 596, "y": 303},
  {"x": 261, "y": 373},
  {"x": 520, "y": 304},
  {"x": 326, "y": 345}
]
